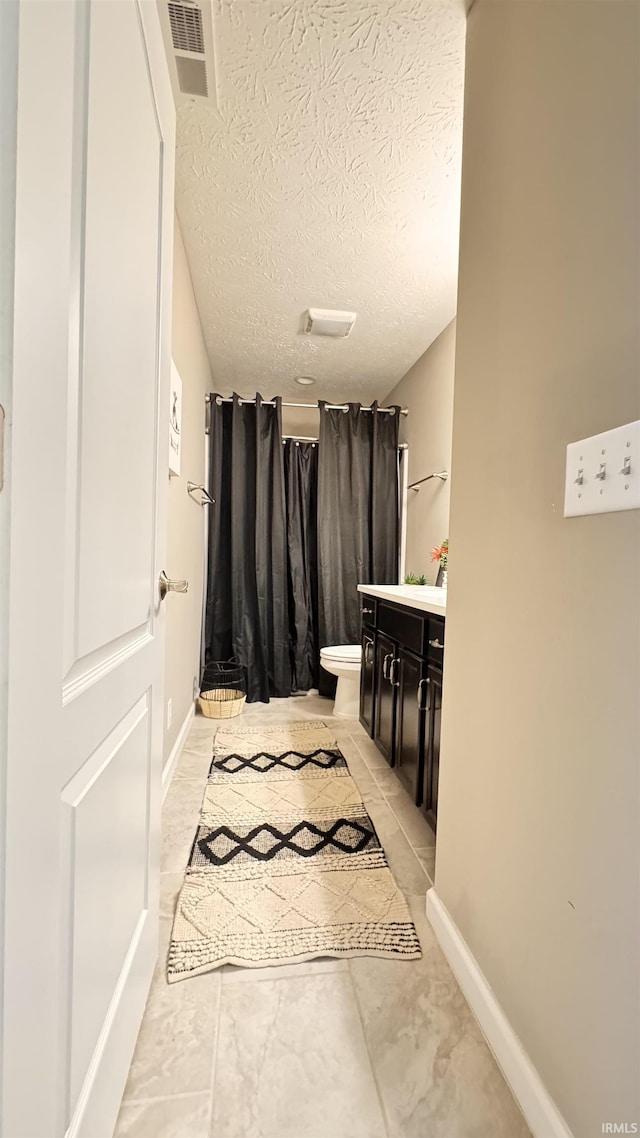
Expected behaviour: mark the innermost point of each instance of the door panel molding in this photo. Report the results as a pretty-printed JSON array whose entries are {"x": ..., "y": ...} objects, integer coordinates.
[
  {"x": 94, "y": 1109},
  {"x": 110, "y": 792},
  {"x": 92, "y": 668},
  {"x": 79, "y": 142},
  {"x": 117, "y": 375}
]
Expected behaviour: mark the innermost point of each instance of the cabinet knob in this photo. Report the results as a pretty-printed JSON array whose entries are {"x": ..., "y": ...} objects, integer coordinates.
[
  {"x": 419, "y": 692},
  {"x": 393, "y": 672},
  {"x": 435, "y": 644}
]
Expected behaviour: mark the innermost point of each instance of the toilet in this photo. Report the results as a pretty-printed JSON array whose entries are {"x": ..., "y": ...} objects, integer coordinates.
[{"x": 343, "y": 661}]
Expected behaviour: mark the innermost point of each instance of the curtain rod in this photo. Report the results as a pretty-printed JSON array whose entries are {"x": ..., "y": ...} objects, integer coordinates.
[
  {"x": 311, "y": 439},
  {"x": 306, "y": 406}
]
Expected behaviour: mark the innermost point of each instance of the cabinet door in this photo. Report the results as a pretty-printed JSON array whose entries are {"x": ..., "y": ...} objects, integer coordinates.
[
  {"x": 410, "y": 720},
  {"x": 368, "y": 610},
  {"x": 367, "y": 686},
  {"x": 385, "y": 698},
  {"x": 432, "y": 749}
]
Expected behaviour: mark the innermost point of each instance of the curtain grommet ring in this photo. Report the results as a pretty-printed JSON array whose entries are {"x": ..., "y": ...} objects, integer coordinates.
[{"x": 218, "y": 401}]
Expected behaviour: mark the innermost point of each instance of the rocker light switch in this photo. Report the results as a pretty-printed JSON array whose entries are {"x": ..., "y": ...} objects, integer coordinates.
[{"x": 603, "y": 473}]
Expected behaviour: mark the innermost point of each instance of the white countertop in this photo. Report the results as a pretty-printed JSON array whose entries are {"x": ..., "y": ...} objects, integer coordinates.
[{"x": 425, "y": 597}]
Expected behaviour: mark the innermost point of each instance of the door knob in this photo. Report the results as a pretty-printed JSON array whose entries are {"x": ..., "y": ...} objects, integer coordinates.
[{"x": 168, "y": 586}]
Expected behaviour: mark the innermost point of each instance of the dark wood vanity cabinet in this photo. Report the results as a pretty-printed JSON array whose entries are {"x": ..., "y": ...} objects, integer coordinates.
[
  {"x": 431, "y": 766},
  {"x": 401, "y": 694},
  {"x": 410, "y": 720},
  {"x": 367, "y": 675},
  {"x": 367, "y": 684},
  {"x": 384, "y": 699}
]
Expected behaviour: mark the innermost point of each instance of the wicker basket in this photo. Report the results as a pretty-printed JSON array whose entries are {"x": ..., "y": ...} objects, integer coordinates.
[
  {"x": 223, "y": 692},
  {"x": 222, "y": 703}
]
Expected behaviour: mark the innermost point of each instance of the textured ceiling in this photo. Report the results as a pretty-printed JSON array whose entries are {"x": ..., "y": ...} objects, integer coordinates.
[{"x": 328, "y": 176}]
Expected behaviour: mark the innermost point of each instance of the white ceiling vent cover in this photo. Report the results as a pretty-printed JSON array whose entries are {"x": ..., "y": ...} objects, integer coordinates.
[
  {"x": 187, "y": 29},
  {"x": 328, "y": 322}
]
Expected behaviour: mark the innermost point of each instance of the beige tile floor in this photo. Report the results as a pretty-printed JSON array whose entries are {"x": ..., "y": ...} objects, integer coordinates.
[{"x": 364, "y": 1048}]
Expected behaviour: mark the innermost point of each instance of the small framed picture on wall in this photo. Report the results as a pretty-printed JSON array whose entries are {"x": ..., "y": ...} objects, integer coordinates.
[{"x": 175, "y": 421}]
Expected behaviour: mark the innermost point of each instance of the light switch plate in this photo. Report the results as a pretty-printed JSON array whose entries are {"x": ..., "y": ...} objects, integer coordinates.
[{"x": 603, "y": 472}]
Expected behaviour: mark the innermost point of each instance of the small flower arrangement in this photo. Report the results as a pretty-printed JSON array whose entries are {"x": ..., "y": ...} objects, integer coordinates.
[
  {"x": 413, "y": 579},
  {"x": 441, "y": 553}
]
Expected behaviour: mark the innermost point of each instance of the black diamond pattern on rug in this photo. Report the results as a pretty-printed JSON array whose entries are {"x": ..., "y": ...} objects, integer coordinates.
[
  {"x": 291, "y": 760},
  {"x": 220, "y": 846}
]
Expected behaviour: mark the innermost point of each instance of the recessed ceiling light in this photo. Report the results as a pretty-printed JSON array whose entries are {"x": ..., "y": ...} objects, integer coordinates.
[{"x": 305, "y": 380}]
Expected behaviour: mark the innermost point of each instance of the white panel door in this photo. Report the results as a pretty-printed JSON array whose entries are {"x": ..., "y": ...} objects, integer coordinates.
[{"x": 94, "y": 220}]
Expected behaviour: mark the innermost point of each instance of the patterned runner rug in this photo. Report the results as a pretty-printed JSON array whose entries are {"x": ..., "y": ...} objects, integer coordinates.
[{"x": 286, "y": 864}]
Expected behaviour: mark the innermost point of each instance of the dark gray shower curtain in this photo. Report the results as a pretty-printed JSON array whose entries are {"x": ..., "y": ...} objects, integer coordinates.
[
  {"x": 247, "y": 596},
  {"x": 357, "y": 513},
  {"x": 293, "y": 531},
  {"x": 301, "y": 484}
]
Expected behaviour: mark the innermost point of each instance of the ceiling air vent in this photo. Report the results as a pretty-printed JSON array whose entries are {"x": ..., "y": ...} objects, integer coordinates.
[
  {"x": 192, "y": 76},
  {"x": 187, "y": 28},
  {"x": 327, "y": 322}
]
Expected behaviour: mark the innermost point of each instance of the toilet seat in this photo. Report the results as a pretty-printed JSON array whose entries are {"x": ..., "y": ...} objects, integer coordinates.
[{"x": 342, "y": 653}]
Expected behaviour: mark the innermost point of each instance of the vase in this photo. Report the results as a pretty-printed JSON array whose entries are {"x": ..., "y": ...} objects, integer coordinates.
[{"x": 441, "y": 579}]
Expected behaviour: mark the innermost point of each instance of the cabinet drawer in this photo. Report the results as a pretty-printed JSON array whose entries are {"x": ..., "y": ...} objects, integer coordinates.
[
  {"x": 368, "y": 610},
  {"x": 435, "y": 646},
  {"x": 404, "y": 626}
]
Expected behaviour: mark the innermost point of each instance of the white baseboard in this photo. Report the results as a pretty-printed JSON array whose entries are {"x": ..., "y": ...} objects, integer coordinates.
[
  {"x": 170, "y": 765},
  {"x": 540, "y": 1112}
]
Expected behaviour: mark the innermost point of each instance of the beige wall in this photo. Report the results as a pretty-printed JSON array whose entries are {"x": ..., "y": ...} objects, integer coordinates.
[
  {"x": 186, "y": 518},
  {"x": 538, "y": 829},
  {"x": 300, "y": 420},
  {"x": 427, "y": 391}
]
